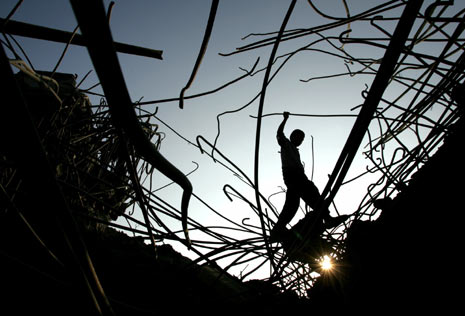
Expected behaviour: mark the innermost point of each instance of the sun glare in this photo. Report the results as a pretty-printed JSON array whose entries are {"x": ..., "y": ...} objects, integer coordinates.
[{"x": 326, "y": 263}]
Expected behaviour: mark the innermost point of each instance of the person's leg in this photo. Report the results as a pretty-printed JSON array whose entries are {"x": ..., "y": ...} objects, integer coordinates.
[
  {"x": 309, "y": 193},
  {"x": 291, "y": 205}
]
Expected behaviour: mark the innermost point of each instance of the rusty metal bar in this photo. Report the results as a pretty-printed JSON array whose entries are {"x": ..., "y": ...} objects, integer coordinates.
[
  {"x": 91, "y": 17},
  {"x": 367, "y": 112},
  {"x": 203, "y": 49},
  {"x": 54, "y": 35}
]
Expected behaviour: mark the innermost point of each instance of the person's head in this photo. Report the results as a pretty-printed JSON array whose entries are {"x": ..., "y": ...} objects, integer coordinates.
[{"x": 297, "y": 137}]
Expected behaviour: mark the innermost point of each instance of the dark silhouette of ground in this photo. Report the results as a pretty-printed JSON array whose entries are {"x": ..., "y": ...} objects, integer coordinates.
[
  {"x": 135, "y": 281},
  {"x": 410, "y": 258}
]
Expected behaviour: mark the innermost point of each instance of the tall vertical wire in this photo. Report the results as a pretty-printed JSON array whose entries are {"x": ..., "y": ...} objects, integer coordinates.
[{"x": 259, "y": 123}]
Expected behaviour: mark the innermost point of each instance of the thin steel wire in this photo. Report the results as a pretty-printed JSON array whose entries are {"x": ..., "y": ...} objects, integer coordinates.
[{"x": 419, "y": 107}]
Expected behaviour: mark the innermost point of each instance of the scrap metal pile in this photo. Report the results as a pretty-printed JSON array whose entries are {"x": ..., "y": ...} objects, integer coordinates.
[{"x": 101, "y": 166}]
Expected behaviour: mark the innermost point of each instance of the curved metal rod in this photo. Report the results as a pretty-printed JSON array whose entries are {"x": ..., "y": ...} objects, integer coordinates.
[
  {"x": 110, "y": 10},
  {"x": 330, "y": 17},
  {"x": 152, "y": 156},
  {"x": 258, "y": 129},
  {"x": 305, "y": 32},
  {"x": 203, "y": 49},
  {"x": 93, "y": 23},
  {"x": 430, "y": 9},
  {"x": 241, "y": 173},
  {"x": 239, "y": 195},
  {"x": 369, "y": 108},
  {"x": 168, "y": 184},
  {"x": 370, "y": 42},
  {"x": 197, "y": 95},
  {"x": 200, "y": 137},
  {"x": 137, "y": 187},
  {"x": 372, "y": 22}
]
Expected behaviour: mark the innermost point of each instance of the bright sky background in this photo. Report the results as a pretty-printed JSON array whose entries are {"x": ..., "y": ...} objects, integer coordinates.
[{"x": 177, "y": 27}]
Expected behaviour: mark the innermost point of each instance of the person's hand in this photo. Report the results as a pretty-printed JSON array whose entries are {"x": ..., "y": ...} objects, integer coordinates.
[{"x": 286, "y": 115}]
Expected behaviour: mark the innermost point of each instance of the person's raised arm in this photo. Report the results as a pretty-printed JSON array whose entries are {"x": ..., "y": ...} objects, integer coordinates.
[{"x": 280, "y": 132}]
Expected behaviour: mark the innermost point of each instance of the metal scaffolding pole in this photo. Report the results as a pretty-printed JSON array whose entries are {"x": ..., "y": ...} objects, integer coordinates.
[{"x": 385, "y": 71}]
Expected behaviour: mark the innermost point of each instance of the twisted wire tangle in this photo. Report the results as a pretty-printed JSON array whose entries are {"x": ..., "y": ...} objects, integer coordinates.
[{"x": 410, "y": 123}]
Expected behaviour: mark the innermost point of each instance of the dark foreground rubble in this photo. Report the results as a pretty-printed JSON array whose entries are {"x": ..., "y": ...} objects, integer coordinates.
[
  {"x": 409, "y": 258},
  {"x": 136, "y": 280}
]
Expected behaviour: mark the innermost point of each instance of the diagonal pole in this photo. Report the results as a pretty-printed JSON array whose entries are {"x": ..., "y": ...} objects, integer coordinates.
[{"x": 381, "y": 81}]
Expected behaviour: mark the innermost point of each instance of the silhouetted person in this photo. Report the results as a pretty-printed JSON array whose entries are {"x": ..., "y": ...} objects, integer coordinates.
[{"x": 298, "y": 185}]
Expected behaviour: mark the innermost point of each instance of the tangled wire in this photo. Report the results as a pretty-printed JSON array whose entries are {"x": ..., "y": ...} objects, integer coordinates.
[{"x": 88, "y": 151}]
